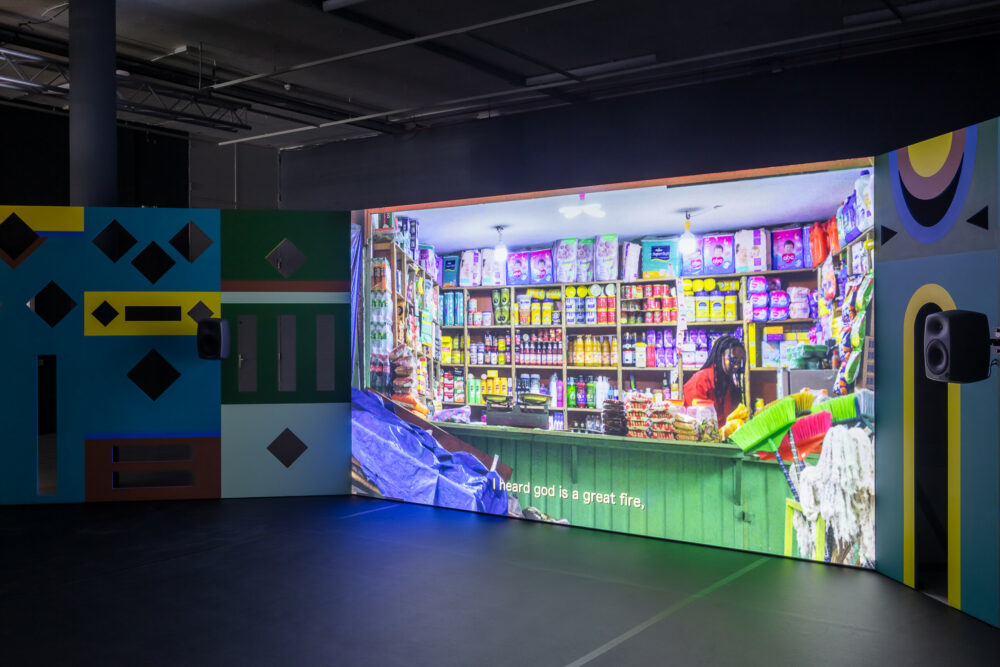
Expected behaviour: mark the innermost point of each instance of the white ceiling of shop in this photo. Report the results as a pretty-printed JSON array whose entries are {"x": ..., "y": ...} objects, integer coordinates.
[{"x": 649, "y": 211}]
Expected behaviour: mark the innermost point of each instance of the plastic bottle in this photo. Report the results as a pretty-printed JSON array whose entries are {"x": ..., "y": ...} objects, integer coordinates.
[
  {"x": 581, "y": 392},
  {"x": 560, "y": 393},
  {"x": 615, "y": 359},
  {"x": 591, "y": 393},
  {"x": 606, "y": 352},
  {"x": 570, "y": 392},
  {"x": 554, "y": 391},
  {"x": 640, "y": 353}
]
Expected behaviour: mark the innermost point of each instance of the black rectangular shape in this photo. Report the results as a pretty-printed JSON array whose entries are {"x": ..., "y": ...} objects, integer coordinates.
[
  {"x": 144, "y": 479},
  {"x": 48, "y": 454},
  {"x": 133, "y": 453},
  {"x": 152, "y": 313},
  {"x": 326, "y": 353}
]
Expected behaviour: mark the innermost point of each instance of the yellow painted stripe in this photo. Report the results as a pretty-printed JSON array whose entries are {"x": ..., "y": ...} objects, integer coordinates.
[
  {"x": 120, "y": 300},
  {"x": 48, "y": 218},
  {"x": 931, "y": 294},
  {"x": 955, "y": 495}
]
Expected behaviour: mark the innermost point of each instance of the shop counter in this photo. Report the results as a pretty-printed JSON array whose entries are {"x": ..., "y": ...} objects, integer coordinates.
[{"x": 690, "y": 491}]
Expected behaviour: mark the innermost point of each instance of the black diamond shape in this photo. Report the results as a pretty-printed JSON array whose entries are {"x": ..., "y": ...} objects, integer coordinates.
[
  {"x": 287, "y": 448},
  {"x": 114, "y": 241},
  {"x": 52, "y": 304},
  {"x": 153, "y": 262},
  {"x": 286, "y": 258},
  {"x": 16, "y": 236},
  {"x": 191, "y": 242},
  {"x": 200, "y": 312},
  {"x": 105, "y": 313},
  {"x": 153, "y": 374}
]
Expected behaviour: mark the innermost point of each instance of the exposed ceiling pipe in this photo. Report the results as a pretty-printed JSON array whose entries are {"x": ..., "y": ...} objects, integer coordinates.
[
  {"x": 445, "y": 51},
  {"x": 160, "y": 72},
  {"x": 837, "y": 40},
  {"x": 405, "y": 42}
]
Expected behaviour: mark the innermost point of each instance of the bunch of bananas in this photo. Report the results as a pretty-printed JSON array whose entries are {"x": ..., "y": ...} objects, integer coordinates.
[{"x": 735, "y": 420}]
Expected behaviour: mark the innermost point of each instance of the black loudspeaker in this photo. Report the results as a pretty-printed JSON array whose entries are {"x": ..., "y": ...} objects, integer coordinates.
[
  {"x": 957, "y": 346},
  {"x": 213, "y": 338}
]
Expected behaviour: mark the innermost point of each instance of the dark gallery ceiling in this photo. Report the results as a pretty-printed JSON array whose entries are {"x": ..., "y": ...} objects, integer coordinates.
[{"x": 287, "y": 73}]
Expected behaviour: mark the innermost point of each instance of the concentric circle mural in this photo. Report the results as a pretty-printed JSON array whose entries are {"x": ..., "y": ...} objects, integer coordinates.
[{"x": 930, "y": 181}]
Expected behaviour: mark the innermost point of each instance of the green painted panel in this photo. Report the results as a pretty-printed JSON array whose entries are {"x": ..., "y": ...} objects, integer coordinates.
[
  {"x": 686, "y": 497},
  {"x": 323, "y": 237},
  {"x": 267, "y": 354}
]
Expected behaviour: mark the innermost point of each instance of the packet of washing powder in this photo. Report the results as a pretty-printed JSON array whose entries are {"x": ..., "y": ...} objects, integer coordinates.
[
  {"x": 585, "y": 261},
  {"x": 564, "y": 260},
  {"x": 606, "y": 257}
]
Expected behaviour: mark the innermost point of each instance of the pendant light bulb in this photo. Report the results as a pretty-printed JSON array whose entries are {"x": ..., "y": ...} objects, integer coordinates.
[
  {"x": 500, "y": 249},
  {"x": 687, "y": 243}
]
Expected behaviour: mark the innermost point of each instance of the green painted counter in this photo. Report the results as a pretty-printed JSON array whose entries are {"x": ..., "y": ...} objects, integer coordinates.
[{"x": 690, "y": 491}]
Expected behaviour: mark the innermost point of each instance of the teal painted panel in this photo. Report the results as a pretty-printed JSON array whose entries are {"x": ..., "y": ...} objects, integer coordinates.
[
  {"x": 94, "y": 394},
  {"x": 249, "y": 469},
  {"x": 971, "y": 279}
]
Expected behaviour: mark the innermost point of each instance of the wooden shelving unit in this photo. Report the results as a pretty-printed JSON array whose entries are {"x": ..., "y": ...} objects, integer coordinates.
[
  {"x": 755, "y": 378},
  {"x": 616, "y": 373}
]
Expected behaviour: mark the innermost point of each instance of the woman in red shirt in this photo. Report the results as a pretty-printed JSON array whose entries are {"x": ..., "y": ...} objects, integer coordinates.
[{"x": 720, "y": 380}]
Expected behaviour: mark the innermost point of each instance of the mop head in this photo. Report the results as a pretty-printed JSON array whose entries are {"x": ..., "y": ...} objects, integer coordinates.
[{"x": 841, "y": 489}]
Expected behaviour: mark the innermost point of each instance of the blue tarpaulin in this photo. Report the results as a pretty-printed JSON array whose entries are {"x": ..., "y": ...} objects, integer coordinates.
[{"x": 406, "y": 462}]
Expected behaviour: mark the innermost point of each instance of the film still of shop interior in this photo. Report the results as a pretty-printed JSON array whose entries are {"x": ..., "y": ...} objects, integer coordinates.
[{"x": 732, "y": 314}]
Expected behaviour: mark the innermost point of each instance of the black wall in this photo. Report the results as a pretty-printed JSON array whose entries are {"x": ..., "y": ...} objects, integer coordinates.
[
  {"x": 34, "y": 162},
  {"x": 854, "y": 108}
]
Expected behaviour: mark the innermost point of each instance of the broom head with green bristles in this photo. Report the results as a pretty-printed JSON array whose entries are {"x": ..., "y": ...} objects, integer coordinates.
[
  {"x": 768, "y": 428},
  {"x": 843, "y": 408}
]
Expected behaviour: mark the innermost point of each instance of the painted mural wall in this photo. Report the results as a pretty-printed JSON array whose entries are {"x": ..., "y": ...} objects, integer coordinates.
[
  {"x": 103, "y": 394},
  {"x": 938, "y": 450}
]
